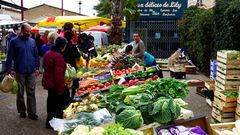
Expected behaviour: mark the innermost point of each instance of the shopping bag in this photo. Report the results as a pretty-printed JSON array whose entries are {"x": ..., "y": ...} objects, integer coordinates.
[
  {"x": 15, "y": 87},
  {"x": 7, "y": 83},
  {"x": 70, "y": 75}
]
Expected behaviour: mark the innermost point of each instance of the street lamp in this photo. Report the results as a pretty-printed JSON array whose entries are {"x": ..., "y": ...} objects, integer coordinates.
[{"x": 80, "y": 3}]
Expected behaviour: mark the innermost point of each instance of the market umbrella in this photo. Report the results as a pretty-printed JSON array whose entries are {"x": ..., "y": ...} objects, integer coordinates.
[
  {"x": 34, "y": 29},
  {"x": 80, "y": 22},
  {"x": 99, "y": 28}
]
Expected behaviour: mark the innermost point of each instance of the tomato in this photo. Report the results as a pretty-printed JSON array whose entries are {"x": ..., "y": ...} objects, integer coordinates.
[
  {"x": 107, "y": 84},
  {"x": 83, "y": 89},
  {"x": 101, "y": 85},
  {"x": 88, "y": 90},
  {"x": 93, "y": 87},
  {"x": 97, "y": 88},
  {"x": 142, "y": 82}
]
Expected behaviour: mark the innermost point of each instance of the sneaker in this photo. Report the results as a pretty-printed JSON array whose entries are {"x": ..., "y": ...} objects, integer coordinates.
[
  {"x": 23, "y": 115},
  {"x": 33, "y": 116}
]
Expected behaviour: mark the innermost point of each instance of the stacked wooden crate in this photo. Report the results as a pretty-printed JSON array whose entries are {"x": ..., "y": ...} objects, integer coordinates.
[
  {"x": 227, "y": 82},
  {"x": 163, "y": 64},
  {"x": 237, "y": 116}
]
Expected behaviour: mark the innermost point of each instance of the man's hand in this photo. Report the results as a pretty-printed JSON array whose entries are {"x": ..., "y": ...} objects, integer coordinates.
[{"x": 37, "y": 73}]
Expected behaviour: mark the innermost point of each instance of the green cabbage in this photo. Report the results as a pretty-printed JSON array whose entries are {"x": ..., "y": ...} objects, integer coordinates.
[{"x": 129, "y": 118}]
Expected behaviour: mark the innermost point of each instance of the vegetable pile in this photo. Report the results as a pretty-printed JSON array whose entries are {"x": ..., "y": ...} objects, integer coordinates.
[{"x": 153, "y": 99}]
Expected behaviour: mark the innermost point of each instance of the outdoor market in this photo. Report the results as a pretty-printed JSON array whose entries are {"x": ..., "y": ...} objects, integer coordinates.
[{"x": 144, "y": 68}]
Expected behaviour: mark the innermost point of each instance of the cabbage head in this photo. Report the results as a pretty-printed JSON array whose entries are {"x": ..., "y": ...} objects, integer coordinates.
[{"x": 129, "y": 118}]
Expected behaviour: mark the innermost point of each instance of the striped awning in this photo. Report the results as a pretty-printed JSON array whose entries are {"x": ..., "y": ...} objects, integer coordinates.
[{"x": 9, "y": 24}]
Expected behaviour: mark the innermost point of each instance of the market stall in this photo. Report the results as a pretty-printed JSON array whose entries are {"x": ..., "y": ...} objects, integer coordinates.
[{"x": 129, "y": 100}]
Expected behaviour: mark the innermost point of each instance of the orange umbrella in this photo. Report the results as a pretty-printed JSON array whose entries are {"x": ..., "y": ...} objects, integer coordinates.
[
  {"x": 99, "y": 28},
  {"x": 34, "y": 29}
]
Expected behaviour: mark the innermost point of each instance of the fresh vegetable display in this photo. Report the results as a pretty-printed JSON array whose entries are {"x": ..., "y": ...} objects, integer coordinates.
[
  {"x": 93, "y": 88},
  {"x": 153, "y": 99},
  {"x": 137, "y": 81},
  {"x": 129, "y": 117},
  {"x": 142, "y": 75},
  {"x": 121, "y": 73},
  {"x": 117, "y": 129},
  {"x": 70, "y": 111},
  {"x": 86, "y": 130},
  {"x": 165, "y": 110},
  {"x": 113, "y": 98},
  {"x": 89, "y": 104},
  {"x": 168, "y": 87},
  {"x": 231, "y": 94}
]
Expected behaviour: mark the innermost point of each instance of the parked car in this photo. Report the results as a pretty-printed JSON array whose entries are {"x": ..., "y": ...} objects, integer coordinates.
[{"x": 100, "y": 38}]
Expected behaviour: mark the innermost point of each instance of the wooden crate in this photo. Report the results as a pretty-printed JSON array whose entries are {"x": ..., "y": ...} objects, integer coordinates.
[
  {"x": 228, "y": 82},
  {"x": 228, "y": 61},
  {"x": 222, "y": 114},
  {"x": 225, "y": 66},
  {"x": 228, "y": 55},
  {"x": 237, "y": 117},
  {"x": 219, "y": 118},
  {"x": 228, "y": 77},
  {"x": 226, "y": 87},
  {"x": 218, "y": 128},
  {"x": 228, "y": 71},
  {"x": 223, "y": 108},
  {"x": 238, "y": 111},
  {"x": 225, "y": 104},
  {"x": 223, "y": 97},
  {"x": 238, "y": 101},
  {"x": 210, "y": 84}
]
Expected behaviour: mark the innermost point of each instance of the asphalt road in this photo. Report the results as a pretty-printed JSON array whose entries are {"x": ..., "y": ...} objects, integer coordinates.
[{"x": 12, "y": 124}]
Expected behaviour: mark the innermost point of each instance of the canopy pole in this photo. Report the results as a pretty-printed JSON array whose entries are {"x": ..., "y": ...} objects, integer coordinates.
[
  {"x": 62, "y": 7},
  {"x": 22, "y": 14}
]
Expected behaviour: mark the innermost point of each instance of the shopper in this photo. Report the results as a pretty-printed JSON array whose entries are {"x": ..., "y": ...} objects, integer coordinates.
[
  {"x": 15, "y": 33},
  {"x": 44, "y": 37},
  {"x": 39, "y": 43},
  {"x": 71, "y": 53},
  {"x": 24, "y": 54},
  {"x": 53, "y": 79},
  {"x": 138, "y": 46},
  {"x": 52, "y": 36}
]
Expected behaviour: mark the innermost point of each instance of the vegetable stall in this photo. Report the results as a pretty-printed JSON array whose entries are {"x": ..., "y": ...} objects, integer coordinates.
[{"x": 112, "y": 99}]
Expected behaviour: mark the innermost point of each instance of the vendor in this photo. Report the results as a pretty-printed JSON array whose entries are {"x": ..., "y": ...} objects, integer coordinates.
[
  {"x": 138, "y": 46},
  {"x": 149, "y": 60}
]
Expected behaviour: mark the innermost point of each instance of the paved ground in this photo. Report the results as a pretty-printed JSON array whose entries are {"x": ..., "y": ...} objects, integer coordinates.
[{"x": 11, "y": 124}]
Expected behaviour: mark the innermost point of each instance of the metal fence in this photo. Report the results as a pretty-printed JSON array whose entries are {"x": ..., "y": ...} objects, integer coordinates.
[{"x": 161, "y": 37}]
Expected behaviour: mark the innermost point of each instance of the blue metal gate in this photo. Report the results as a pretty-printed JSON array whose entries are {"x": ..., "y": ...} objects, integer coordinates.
[{"x": 161, "y": 37}]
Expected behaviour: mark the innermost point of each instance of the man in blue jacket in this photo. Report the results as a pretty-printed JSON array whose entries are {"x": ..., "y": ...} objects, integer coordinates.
[{"x": 23, "y": 53}]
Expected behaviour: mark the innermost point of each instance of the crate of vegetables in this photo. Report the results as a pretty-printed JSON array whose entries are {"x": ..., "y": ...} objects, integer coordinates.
[
  {"x": 228, "y": 82},
  {"x": 229, "y": 54},
  {"x": 226, "y": 96},
  {"x": 220, "y": 119},
  {"x": 219, "y": 86}
]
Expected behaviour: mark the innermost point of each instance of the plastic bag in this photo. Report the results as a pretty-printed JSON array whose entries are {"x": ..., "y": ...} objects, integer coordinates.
[
  {"x": 15, "y": 87},
  {"x": 70, "y": 75},
  {"x": 7, "y": 83},
  {"x": 81, "y": 62}
]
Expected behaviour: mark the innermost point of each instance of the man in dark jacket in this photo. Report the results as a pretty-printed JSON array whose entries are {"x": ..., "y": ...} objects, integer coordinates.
[{"x": 23, "y": 53}]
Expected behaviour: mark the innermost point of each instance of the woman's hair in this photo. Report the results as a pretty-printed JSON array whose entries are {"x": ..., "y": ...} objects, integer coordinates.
[
  {"x": 52, "y": 36},
  {"x": 82, "y": 36},
  {"x": 67, "y": 26},
  {"x": 128, "y": 48},
  {"x": 69, "y": 35},
  {"x": 59, "y": 44}
]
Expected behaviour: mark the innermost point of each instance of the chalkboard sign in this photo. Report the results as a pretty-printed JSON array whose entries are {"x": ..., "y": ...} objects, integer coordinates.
[{"x": 161, "y": 9}]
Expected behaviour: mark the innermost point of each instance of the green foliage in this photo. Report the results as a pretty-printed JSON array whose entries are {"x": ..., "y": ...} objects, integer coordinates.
[
  {"x": 104, "y": 9},
  {"x": 197, "y": 36},
  {"x": 117, "y": 129},
  {"x": 205, "y": 31}
]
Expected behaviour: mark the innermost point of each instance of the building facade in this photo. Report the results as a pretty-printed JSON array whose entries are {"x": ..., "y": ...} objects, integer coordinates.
[{"x": 39, "y": 12}]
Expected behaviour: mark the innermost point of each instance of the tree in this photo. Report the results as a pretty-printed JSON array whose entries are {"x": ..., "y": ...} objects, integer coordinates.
[{"x": 117, "y": 9}]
